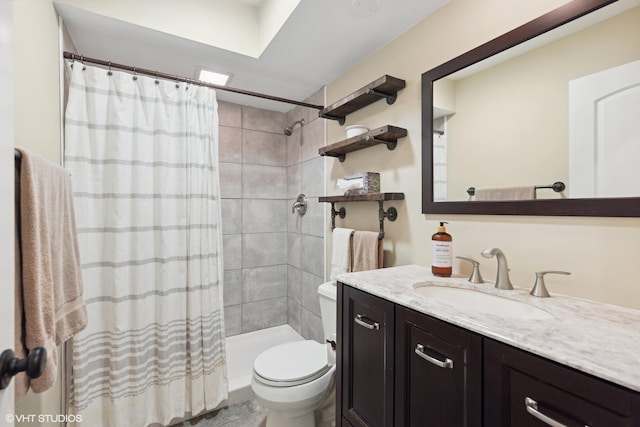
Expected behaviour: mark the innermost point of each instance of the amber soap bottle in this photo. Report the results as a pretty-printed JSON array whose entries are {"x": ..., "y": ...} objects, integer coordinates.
[{"x": 441, "y": 252}]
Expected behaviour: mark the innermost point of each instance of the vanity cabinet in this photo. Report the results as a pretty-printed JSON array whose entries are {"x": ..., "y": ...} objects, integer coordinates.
[
  {"x": 438, "y": 372},
  {"x": 521, "y": 389},
  {"x": 438, "y": 367},
  {"x": 398, "y": 367}
]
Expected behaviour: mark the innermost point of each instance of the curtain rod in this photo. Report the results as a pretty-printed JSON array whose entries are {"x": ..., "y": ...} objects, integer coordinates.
[{"x": 136, "y": 70}]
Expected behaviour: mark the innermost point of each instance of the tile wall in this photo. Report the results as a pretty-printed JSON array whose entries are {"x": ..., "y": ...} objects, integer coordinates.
[
  {"x": 305, "y": 237},
  {"x": 253, "y": 181},
  {"x": 273, "y": 259}
]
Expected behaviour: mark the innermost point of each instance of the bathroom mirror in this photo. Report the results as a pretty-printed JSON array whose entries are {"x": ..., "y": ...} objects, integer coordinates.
[{"x": 534, "y": 107}]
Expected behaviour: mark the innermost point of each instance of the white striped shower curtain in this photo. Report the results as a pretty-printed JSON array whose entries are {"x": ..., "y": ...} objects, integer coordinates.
[{"x": 143, "y": 155}]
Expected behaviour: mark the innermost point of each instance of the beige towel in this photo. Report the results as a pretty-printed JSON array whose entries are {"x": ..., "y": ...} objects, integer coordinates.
[
  {"x": 53, "y": 307},
  {"x": 367, "y": 251},
  {"x": 506, "y": 193},
  {"x": 21, "y": 379},
  {"x": 341, "y": 253}
]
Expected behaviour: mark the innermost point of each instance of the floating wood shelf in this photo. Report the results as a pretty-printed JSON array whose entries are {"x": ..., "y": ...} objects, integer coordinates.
[
  {"x": 384, "y": 87},
  {"x": 373, "y": 197},
  {"x": 383, "y": 135},
  {"x": 391, "y": 214}
]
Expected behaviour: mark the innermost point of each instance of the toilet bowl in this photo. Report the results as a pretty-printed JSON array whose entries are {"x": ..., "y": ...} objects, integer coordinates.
[{"x": 294, "y": 380}]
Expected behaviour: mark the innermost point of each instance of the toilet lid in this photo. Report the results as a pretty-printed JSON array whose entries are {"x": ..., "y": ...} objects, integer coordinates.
[{"x": 294, "y": 362}]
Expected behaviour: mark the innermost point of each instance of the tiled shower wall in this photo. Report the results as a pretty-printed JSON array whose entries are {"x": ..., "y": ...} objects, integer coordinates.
[
  {"x": 273, "y": 259},
  {"x": 253, "y": 185},
  {"x": 305, "y": 237}
]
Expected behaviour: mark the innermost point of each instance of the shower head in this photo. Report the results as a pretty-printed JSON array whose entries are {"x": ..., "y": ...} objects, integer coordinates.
[{"x": 289, "y": 130}]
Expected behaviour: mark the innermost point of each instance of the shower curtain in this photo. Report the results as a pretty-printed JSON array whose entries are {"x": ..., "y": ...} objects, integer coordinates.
[{"x": 143, "y": 155}]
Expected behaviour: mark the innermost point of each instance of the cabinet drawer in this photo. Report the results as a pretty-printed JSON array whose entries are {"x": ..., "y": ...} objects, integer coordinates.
[
  {"x": 438, "y": 372},
  {"x": 525, "y": 390}
]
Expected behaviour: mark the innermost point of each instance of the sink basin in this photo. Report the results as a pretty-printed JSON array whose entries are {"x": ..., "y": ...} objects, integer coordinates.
[{"x": 470, "y": 299}]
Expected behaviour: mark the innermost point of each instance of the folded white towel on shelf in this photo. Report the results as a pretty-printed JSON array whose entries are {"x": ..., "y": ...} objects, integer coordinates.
[
  {"x": 341, "y": 253},
  {"x": 506, "y": 193},
  {"x": 351, "y": 184}
]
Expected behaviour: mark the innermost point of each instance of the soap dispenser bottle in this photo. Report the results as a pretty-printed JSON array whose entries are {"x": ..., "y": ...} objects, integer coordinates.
[{"x": 441, "y": 252}]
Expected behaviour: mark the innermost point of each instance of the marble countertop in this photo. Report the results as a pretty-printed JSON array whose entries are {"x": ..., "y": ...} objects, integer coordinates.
[{"x": 600, "y": 339}]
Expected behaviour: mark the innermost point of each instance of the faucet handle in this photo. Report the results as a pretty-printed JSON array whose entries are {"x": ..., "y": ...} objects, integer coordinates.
[
  {"x": 539, "y": 288},
  {"x": 475, "y": 277}
]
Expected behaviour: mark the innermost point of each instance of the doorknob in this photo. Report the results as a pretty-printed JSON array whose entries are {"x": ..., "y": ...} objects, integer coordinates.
[{"x": 10, "y": 365}]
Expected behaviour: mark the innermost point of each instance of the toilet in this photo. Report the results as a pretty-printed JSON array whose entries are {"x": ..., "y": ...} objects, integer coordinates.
[{"x": 295, "y": 381}]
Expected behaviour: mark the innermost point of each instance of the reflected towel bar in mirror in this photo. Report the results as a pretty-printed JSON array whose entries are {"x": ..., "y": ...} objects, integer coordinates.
[{"x": 557, "y": 186}]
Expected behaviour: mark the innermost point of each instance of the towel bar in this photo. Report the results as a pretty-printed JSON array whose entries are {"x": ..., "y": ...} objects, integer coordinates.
[
  {"x": 391, "y": 214},
  {"x": 557, "y": 186}
]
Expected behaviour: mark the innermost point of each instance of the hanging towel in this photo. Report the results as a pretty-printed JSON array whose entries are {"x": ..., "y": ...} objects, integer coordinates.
[
  {"x": 21, "y": 380},
  {"x": 53, "y": 306},
  {"x": 506, "y": 193},
  {"x": 341, "y": 254},
  {"x": 367, "y": 251}
]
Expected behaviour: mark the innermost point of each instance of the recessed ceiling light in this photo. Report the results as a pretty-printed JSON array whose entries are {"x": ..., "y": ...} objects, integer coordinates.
[{"x": 214, "y": 77}]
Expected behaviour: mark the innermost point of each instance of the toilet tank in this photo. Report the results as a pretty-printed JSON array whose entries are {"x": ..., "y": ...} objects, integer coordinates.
[{"x": 328, "y": 308}]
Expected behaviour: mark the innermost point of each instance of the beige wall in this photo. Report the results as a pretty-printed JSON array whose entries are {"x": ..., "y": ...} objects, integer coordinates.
[
  {"x": 601, "y": 253},
  {"x": 37, "y": 121}
]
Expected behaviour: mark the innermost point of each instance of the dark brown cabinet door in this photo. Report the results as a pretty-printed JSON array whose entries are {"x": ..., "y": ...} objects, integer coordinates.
[
  {"x": 525, "y": 390},
  {"x": 438, "y": 373},
  {"x": 367, "y": 359}
]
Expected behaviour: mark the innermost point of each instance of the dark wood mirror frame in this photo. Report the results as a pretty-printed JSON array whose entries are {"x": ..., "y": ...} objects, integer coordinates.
[{"x": 606, "y": 207}]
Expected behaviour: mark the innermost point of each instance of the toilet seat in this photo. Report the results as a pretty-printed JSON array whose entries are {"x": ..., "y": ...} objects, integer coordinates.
[{"x": 291, "y": 364}]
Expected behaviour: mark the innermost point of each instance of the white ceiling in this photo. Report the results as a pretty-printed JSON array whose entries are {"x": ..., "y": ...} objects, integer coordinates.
[{"x": 320, "y": 41}]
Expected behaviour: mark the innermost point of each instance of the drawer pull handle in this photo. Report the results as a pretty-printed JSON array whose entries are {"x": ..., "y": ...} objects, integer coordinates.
[
  {"x": 359, "y": 319},
  {"x": 532, "y": 408},
  {"x": 446, "y": 363}
]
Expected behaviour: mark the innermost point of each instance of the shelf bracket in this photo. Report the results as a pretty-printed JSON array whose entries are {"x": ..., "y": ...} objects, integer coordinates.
[
  {"x": 340, "y": 157},
  {"x": 391, "y": 145},
  {"x": 341, "y": 119},
  {"x": 391, "y": 214},
  {"x": 342, "y": 212},
  {"x": 391, "y": 98}
]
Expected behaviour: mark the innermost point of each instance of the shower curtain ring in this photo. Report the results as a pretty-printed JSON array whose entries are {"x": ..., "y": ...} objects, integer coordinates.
[
  {"x": 109, "y": 72},
  {"x": 84, "y": 67},
  {"x": 157, "y": 81},
  {"x": 177, "y": 85},
  {"x": 135, "y": 77}
]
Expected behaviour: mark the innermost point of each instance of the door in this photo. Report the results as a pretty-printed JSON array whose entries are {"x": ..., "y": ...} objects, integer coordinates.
[
  {"x": 6, "y": 199},
  {"x": 367, "y": 346},
  {"x": 604, "y": 133},
  {"x": 524, "y": 390},
  {"x": 438, "y": 373}
]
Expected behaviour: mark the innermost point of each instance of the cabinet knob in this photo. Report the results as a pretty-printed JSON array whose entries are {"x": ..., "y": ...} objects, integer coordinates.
[{"x": 10, "y": 365}]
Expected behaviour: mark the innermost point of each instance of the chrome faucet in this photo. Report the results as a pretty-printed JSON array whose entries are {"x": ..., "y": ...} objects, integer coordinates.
[{"x": 502, "y": 279}]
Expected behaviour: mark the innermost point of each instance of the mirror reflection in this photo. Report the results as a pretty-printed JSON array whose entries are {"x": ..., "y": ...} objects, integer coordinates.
[{"x": 563, "y": 108}]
